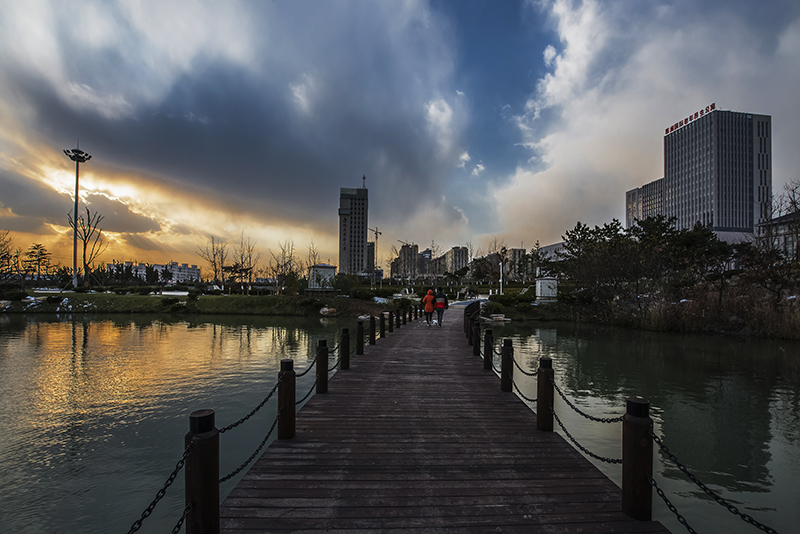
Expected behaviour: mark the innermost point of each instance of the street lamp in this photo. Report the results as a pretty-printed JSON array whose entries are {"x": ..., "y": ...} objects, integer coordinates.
[{"x": 78, "y": 156}]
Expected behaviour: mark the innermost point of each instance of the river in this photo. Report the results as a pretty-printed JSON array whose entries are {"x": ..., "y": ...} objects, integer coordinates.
[{"x": 93, "y": 411}]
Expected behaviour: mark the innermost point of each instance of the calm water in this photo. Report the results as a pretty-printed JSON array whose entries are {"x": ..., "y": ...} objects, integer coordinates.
[
  {"x": 728, "y": 409},
  {"x": 93, "y": 413}
]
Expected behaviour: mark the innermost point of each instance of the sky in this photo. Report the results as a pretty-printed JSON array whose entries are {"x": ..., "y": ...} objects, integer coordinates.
[{"x": 473, "y": 121}]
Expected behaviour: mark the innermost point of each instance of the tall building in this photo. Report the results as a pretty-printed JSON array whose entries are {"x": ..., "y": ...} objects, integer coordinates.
[
  {"x": 353, "y": 230},
  {"x": 456, "y": 258},
  {"x": 717, "y": 171},
  {"x": 405, "y": 265}
]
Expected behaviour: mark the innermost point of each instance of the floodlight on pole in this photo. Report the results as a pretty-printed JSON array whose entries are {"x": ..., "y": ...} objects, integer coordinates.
[{"x": 78, "y": 156}]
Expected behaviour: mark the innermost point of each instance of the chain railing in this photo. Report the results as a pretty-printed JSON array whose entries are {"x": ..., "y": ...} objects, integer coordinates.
[
  {"x": 708, "y": 491},
  {"x": 255, "y": 453},
  {"x": 181, "y": 463},
  {"x": 581, "y": 447},
  {"x": 520, "y": 393},
  {"x": 163, "y": 491},
  {"x": 584, "y": 414}
]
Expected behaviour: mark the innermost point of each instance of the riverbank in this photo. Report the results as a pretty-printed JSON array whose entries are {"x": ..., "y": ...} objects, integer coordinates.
[{"x": 68, "y": 302}]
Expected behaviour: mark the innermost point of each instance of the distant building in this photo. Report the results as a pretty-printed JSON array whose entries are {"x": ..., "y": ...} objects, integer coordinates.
[
  {"x": 516, "y": 270},
  {"x": 405, "y": 265},
  {"x": 456, "y": 258},
  {"x": 179, "y": 273},
  {"x": 717, "y": 171},
  {"x": 353, "y": 207}
]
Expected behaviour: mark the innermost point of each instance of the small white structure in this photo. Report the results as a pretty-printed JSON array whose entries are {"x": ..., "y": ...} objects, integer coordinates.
[
  {"x": 321, "y": 277},
  {"x": 546, "y": 289}
]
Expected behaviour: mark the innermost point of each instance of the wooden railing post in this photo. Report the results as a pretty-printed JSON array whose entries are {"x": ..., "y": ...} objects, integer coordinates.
[
  {"x": 637, "y": 460},
  {"x": 506, "y": 365},
  {"x": 286, "y": 399},
  {"x": 470, "y": 331},
  {"x": 488, "y": 348},
  {"x": 344, "y": 350},
  {"x": 360, "y": 338},
  {"x": 391, "y": 321},
  {"x": 202, "y": 474},
  {"x": 371, "y": 329},
  {"x": 383, "y": 326},
  {"x": 544, "y": 394},
  {"x": 476, "y": 339},
  {"x": 322, "y": 366}
]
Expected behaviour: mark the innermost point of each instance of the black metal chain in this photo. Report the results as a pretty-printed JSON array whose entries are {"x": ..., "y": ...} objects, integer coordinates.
[
  {"x": 338, "y": 360},
  {"x": 660, "y": 492},
  {"x": 177, "y": 527},
  {"x": 307, "y": 394},
  {"x": 521, "y": 370},
  {"x": 255, "y": 453},
  {"x": 711, "y": 493},
  {"x": 253, "y": 412},
  {"x": 521, "y": 394},
  {"x": 581, "y": 447},
  {"x": 586, "y": 415},
  {"x": 163, "y": 491},
  {"x": 311, "y": 366}
]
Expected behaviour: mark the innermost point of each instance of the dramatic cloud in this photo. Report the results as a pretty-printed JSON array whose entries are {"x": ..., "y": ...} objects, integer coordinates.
[{"x": 471, "y": 120}]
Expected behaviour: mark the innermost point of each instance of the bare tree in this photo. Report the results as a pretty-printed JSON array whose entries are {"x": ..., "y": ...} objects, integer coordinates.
[
  {"x": 313, "y": 254},
  {"x": 246, "y": 258},
  {"x": 283, "y": 266},
  {"x": 215, "y": 253},
  {"x": 90, "y": 235},
  {"x": 6, "y": 255}
]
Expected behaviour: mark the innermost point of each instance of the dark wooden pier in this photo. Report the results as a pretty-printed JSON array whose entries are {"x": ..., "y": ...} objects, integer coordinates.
[{"x": 417, "y": 437}]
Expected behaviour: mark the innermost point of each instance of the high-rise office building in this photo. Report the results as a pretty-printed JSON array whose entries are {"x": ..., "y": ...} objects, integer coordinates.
[
  {"x": 353, "y": 230},
  {"x": 717, "y": 171}
]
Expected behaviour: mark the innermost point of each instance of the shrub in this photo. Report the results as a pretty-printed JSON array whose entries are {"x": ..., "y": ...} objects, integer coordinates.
[
  {"x": 14, "y": 295},
  {"x": 362, "y": 293}
]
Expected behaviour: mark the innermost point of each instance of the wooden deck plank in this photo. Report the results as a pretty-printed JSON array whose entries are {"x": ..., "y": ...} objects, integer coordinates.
[{"x": 416, "y": 437}]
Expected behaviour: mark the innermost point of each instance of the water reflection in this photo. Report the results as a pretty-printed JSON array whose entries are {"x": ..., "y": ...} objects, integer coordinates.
[
  {"x": 728, "y": 408},
  {"x": 93, "y": 411}
]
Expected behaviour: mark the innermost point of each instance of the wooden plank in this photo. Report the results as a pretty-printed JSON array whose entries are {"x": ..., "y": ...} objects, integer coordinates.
[{"x": 417, "y": 437}]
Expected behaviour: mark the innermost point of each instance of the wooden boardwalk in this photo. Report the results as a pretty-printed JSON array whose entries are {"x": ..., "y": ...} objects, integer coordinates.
[{"x": 417, "y": 437}]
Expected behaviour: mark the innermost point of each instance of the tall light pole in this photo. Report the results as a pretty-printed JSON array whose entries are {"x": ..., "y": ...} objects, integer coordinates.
[{"x": 78, "y": 156}]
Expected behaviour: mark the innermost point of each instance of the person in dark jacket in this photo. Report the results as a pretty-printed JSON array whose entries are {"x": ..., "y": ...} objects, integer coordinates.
[{"x": 440, "y": 303}]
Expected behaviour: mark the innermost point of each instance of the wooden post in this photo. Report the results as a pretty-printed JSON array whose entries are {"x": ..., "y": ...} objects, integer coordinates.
[
  {"x": 488, "y": 348},
  {"x": 544, "y": 394},
  {"x": 383, "y": 325},
  {"x": 506, "y": 365},
  {"x": 476, "y": 339},
  {"x": 360, "y": 338},
  {"x": 391, "y": 321},
  {"x": 371, "y": 329},
  {"x": 322, "y": 366},
  {"x": 470, "y": 331},
  {"x": 286, "y": 400},
  {"x": 637, "y": 460},
  {"x": 202, "y": 474},
  {"x": 344, "y": 350}
]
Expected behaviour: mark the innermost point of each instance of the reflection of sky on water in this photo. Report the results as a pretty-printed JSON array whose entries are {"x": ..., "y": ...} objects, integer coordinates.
[
  {"x": 729, "y": 409},
  {"x": 93, "y": 413}
]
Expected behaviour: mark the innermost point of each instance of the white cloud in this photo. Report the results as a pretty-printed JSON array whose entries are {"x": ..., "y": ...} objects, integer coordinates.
[
  {"x": 303, "y": 93},
  {"x": 479, "y": 168},
  {"x": 463, "y": 160},
  {"x": 440, "y": 124},
  {"x": 549, "y": 55},
  {"x": 621, "y": 78}
]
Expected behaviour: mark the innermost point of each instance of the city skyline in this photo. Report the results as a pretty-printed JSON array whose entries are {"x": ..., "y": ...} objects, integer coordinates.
[{"x": 471, "y": 120}]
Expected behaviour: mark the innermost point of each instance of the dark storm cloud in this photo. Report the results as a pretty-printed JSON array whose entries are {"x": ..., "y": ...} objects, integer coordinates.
[
  {"x": 243, "y": 130},
  {"x": 117, "y": 217},
  {"x": 35, "y": 204},
  {"x": 142, "y": 242}
]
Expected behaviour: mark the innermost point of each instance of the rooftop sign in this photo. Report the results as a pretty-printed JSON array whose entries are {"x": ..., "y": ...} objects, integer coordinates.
[{"x": 692, "y": 117}]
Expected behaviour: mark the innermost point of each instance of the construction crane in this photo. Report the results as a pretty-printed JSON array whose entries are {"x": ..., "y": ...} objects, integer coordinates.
[
  {"x": 377, "y": 233},
  {"x": 403, "y": 242}
]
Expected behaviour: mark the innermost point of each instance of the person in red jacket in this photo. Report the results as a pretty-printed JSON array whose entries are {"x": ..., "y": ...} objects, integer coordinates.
[{"x": 427, "y": 302}]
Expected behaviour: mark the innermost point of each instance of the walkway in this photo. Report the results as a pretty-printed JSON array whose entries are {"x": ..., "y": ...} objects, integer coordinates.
[{"x": 417, "y": 437}]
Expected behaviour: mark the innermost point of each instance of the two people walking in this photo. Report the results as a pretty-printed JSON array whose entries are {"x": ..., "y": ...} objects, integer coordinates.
[{"x": 437, "y": 302}]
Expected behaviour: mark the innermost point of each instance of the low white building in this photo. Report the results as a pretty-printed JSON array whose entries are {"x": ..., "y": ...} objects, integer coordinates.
[
  {"x": 179, "y": 272},
  {"x": 321, "y": 277}
]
